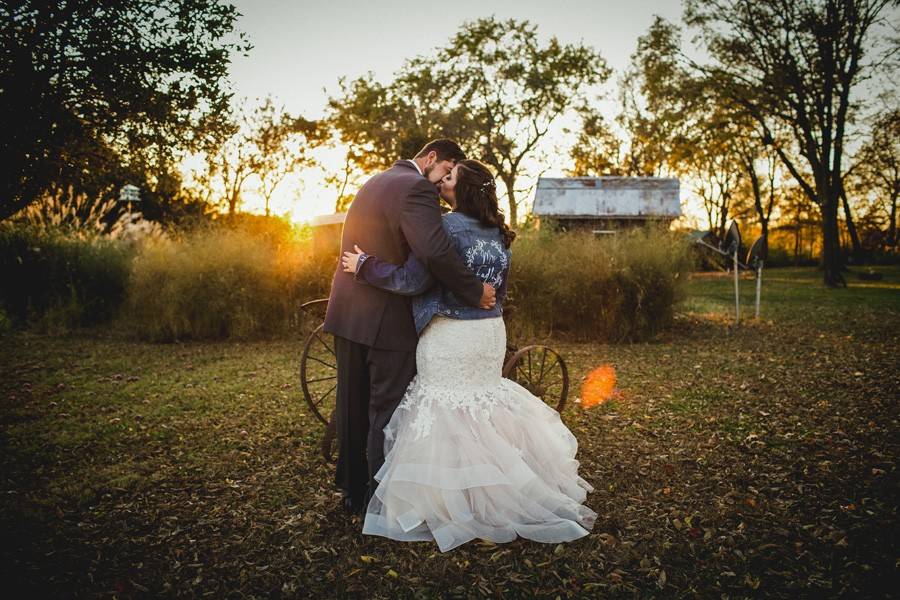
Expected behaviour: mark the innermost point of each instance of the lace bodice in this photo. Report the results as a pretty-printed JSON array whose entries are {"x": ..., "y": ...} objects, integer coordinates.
[{"x": 460, "y": 365}]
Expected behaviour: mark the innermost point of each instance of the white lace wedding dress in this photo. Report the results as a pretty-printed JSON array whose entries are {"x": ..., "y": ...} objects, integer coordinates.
[{"x": 469, "y": 454}]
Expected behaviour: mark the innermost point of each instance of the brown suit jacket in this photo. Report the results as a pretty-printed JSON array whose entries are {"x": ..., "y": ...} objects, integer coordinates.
[{"x": 394, "y": 213}]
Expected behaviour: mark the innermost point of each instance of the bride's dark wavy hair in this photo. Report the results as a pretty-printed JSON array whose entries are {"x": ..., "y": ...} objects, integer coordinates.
[{"x": 476, "y": 196}]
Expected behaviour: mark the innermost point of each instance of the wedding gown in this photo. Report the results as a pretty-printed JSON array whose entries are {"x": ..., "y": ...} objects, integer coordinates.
[{"x": 470, "y": 454}]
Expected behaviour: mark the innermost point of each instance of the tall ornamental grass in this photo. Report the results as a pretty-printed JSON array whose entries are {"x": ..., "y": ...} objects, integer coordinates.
[
  {"x": 53, "y": 281},
  {"x": 223, "y": 283},
  {"x": 614, "y": 288},
  {"x": 247, "y": 280}
]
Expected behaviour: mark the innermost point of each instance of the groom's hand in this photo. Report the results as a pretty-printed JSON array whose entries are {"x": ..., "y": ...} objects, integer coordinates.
[{"x": 488, "y": 296}]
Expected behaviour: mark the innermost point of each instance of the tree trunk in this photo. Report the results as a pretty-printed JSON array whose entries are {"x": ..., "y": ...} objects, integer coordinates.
[
  {"x": 857, "y": 251},
  {"x": 511, "y": 194},
  {"x": 757, "y": 194},
  {"x": 722, "y": 227},
  {"x": 232, "y": 203},
  {"x": 892, "y": 228},
  {"x": 831, "y": 242}
]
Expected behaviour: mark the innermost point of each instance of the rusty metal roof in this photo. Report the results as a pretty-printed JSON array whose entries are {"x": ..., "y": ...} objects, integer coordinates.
[{"x": 609, "y": 197}]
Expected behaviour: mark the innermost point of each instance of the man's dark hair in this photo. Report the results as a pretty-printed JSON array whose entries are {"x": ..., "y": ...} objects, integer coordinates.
[{"x": 445, "y": 149}]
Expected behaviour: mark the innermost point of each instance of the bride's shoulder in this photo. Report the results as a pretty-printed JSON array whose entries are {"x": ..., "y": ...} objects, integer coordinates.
[{"x": 454, "y": 219}]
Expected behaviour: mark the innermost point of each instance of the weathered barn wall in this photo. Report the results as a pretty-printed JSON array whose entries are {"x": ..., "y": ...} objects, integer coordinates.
[{"x": 608, "y": 198}]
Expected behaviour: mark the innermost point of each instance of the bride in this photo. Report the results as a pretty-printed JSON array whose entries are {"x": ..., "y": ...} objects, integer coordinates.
[{"x": 468, "y": 453}]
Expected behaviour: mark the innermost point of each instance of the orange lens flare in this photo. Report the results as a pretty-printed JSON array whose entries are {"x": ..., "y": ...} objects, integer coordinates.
[{"x": 598, "y": 386}]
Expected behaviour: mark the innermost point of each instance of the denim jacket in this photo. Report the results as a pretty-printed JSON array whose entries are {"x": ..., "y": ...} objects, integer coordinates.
[{"x": 480, "y": 247}]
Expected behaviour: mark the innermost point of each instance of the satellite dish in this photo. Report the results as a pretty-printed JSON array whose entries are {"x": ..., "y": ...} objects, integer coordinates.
[
  {"x": 758, "y": 252},
  {"x": 697, "y": 236},
  {"x": 732, "y": 242}
]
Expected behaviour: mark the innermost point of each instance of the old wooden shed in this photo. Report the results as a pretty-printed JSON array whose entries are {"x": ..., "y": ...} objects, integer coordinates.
[{"x": 606, "y": 204}]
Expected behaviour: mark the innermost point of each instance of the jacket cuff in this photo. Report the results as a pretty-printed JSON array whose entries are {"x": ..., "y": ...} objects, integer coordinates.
[{"x": 359, "y": 267}]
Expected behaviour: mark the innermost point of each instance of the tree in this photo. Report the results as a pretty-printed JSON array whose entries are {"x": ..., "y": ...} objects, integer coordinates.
[
  {"x": 494, "y": 88},
  {"x": 347, "y": 178},
  {"x": 799, "y": 215},
  {"x": 661, "y": 105},
  {"x": 383, "y": 123},
  {"x": 795, "y": 65},
  {"x": 764, "y": 189},
  {"x": 229, "y": 165},
  {"x": 281, "y": 145},
  {"x": 87, "y": 85},
  {"x": 718, "y": 178},
  {"x": 597, "y": 150},
  {"x": 676, "y": 124},
  {"x": 878, "y": 172},
  {"x": 513, "y": 89}
]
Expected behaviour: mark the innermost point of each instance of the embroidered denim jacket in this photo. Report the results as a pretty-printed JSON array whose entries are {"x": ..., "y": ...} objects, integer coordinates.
[{"x": 480, "y": 247}]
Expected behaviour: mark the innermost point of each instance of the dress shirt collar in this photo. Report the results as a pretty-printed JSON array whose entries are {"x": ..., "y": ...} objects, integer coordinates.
[{"x": 415, "y": 164}]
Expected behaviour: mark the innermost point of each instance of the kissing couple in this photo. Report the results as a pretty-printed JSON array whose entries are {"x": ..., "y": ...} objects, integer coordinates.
[{"x": 433, "y": 443}]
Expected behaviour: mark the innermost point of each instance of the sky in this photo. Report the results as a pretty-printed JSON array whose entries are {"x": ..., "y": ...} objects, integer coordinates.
[{"x": 302, "y": 49}]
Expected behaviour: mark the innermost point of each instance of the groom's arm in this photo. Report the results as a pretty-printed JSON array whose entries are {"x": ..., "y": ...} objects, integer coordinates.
[{"x": 420, "y": 222}]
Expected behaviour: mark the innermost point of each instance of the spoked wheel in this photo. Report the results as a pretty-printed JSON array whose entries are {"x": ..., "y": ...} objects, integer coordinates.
[
  {"x": 318, "y": 374},
  {"x": 543, "y": 372}
]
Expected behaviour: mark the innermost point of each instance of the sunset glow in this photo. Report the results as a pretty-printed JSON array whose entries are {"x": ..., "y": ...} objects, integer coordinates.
[{"x": 298, "y": 60}]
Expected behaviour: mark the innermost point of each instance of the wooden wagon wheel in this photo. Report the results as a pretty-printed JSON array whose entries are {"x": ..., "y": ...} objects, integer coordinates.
[
  {"x": 318, "y": 380},
  {"x": 318, "y": 374},
  {"x": 542, "y": 371},
  {"x": 328, "y": 440}
]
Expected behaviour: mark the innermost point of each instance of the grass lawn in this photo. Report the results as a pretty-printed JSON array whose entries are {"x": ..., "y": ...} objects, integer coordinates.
[{"x": 750, "y": 461}]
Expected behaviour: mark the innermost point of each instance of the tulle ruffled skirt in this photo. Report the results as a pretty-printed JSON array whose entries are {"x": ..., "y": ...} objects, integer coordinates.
[{"x": 470, "y": 455}]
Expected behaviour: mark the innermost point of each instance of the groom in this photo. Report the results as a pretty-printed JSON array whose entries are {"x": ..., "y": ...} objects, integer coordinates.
[{"x": 394, "y": 213}]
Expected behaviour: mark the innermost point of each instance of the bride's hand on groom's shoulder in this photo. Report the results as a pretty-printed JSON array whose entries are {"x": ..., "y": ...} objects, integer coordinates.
[{"x": 350, "y": 260}]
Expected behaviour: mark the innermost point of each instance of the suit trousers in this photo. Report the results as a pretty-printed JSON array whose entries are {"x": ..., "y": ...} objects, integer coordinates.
[{"x": 370, "y": 385}]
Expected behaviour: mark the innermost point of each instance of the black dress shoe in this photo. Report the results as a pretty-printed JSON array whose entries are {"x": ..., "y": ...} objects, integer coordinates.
[{"x": 354, "y": 505}]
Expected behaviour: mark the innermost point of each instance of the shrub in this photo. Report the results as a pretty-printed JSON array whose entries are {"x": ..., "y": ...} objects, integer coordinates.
[
  {"x": 223, "y": 283},
  {"x": 55, "y": 282},
  {"x": 246, "y": 279},
  {"x": 618, "y": 288}
]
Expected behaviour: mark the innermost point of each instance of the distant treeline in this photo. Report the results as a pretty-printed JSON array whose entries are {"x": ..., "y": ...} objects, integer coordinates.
[{"x": 792, "y": 119}]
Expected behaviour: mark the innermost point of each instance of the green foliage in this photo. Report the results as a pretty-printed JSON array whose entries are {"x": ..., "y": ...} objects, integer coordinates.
[
  {"x": 105, "y": 84},
  {"x": 619, "y": 288},
  {"x": 224, "y": 282},
  {"x": 496, "y": 87},
  {"x": 877, "y": 177},
  {"x": 798, "y": 67},
  {"x": 55, "y": 282}
]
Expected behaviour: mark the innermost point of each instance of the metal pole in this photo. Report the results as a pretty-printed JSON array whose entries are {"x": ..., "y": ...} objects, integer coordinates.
[
  {"x": 758, "y": 286},
  {"x": 737, "y": 303}
]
